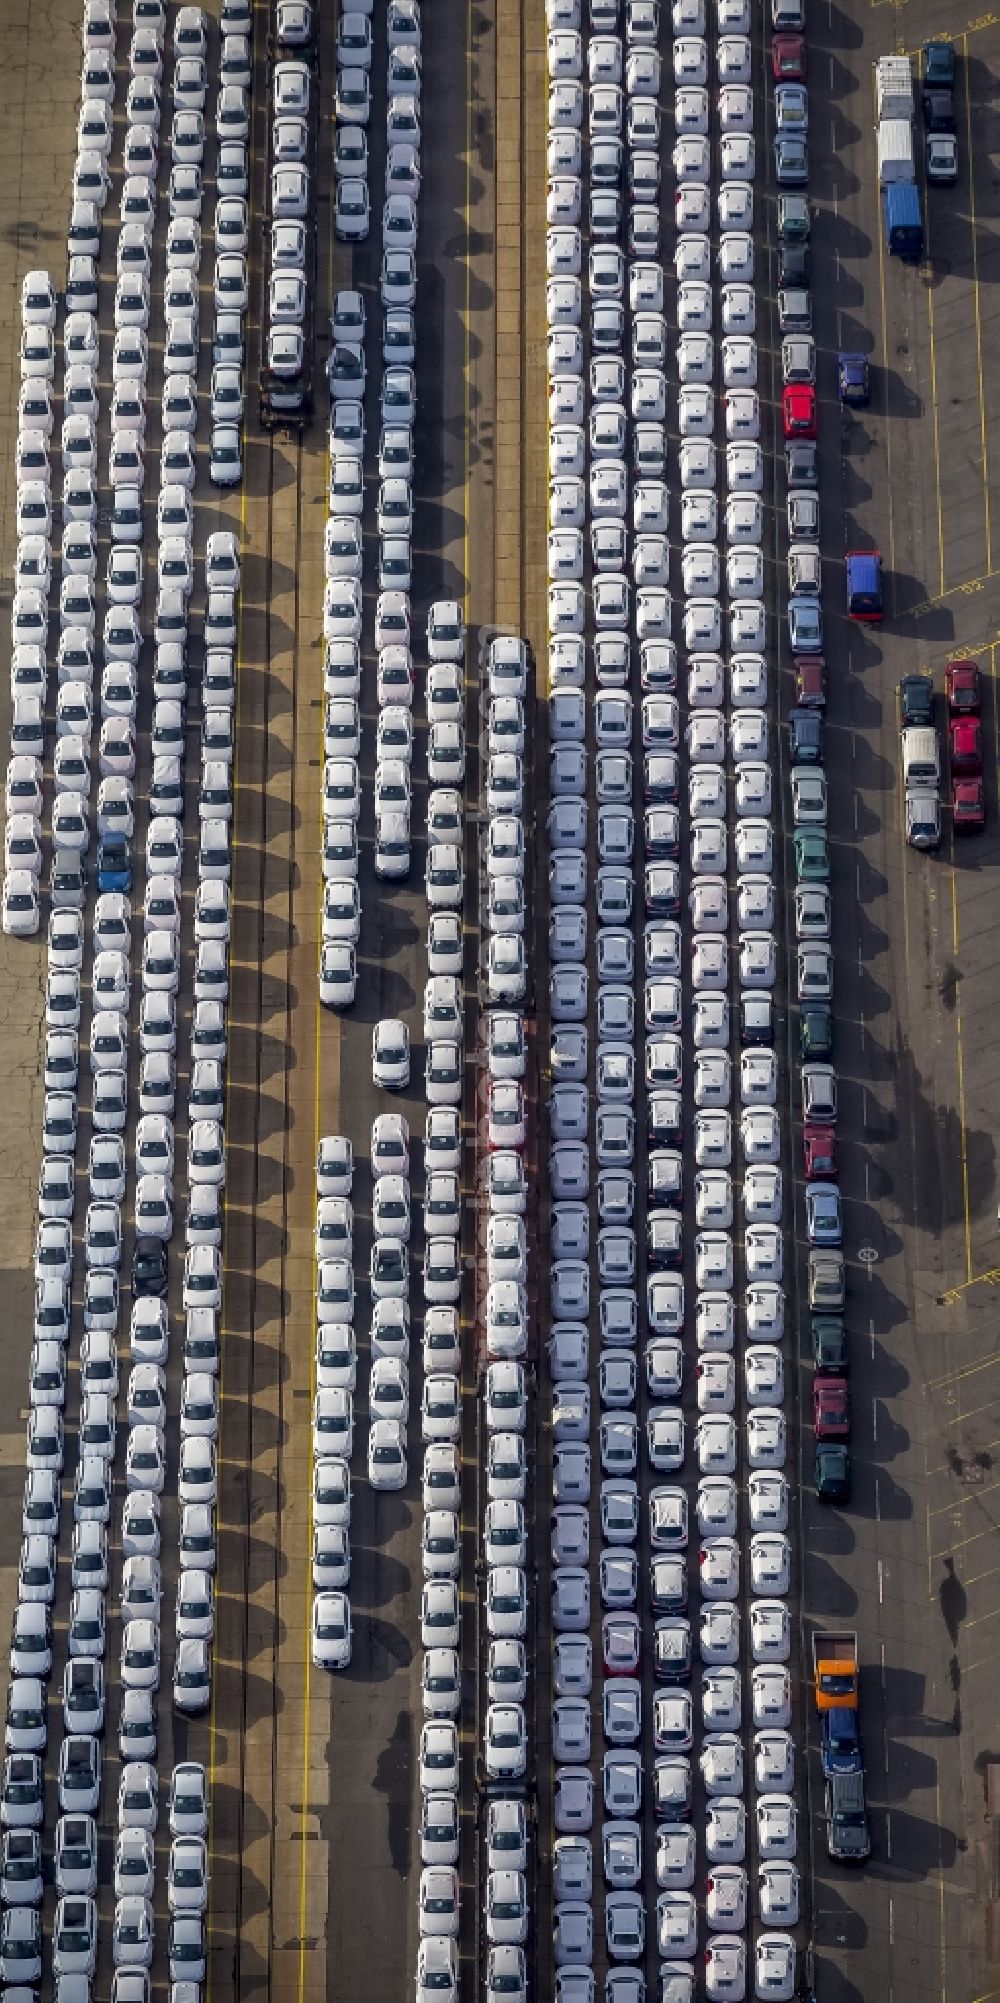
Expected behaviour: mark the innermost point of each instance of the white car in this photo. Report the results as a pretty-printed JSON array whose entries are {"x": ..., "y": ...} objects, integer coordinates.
[{"x": 331, "y": 1630}]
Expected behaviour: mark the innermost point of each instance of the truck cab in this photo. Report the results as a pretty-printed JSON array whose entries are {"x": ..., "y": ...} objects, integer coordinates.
[{"x": 835, "y": 1670}]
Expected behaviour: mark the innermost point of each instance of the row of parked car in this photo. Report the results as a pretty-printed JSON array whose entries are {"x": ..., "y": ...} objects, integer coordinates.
[
  {"x": 809, "y": 801},
  {"x": 286, "y": 374},
  {"x": 506, "y": 846},
  {"x": 111, "y": 1155},
  {"x": 707, "y": 578}
]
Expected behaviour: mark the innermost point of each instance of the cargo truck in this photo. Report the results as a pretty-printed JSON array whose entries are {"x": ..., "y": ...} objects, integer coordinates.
[
  {"x": 904, "y": 226},
  {"x": 835, "y": 1670},
  {"x": 894, "y": 146},
  {"x": 894, "y": 87}
]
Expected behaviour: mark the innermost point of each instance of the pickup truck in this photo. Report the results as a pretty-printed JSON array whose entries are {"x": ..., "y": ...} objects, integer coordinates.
[{"x": 835, "y": 1670}]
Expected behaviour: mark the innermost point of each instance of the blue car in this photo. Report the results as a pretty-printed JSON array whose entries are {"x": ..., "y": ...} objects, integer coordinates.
[
  {"x": 852, "y": 380},
  {"x": 114, "y": 861},
  {"x": 823, "y": 1221},
  {"x": 805, "y": 625},
  {"x": 841, "y": 1743}
]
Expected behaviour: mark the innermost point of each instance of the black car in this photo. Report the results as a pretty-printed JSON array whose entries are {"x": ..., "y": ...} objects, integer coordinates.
[
  {"x": 793, "y": 264},
  {"x": 816, "y": 1031},
  {"x": 916, "y": 699},
  {"x": 805, "y": 737},
  {"x": 830, "y": 1347},
  {"x": 757, "y": 1019},
  {"x": 149, "y": 1268},
  {"x": 939, "y": 110},
  {"x": 832, "y": 1472}
]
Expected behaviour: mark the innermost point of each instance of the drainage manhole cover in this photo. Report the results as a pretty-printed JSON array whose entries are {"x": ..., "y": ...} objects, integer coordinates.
[{"x": 973, "y": 1474}]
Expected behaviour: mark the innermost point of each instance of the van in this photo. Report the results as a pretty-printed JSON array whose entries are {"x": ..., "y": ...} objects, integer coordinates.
[
  {"x": 863, "y": 572},
  {"x": 921, "y": 759},
  {"x": 923, "y": 818}
]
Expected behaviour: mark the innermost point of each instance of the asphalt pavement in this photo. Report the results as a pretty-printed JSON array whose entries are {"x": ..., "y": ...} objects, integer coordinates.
[
  {"x": 314, "y": 1852},
  {"x": 914, "y": 1563}
]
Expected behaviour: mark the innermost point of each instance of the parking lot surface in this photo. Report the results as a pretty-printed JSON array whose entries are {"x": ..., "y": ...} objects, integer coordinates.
[
  {"x": 913, "y": 1565},
  {"x": 314, "y": 1777}
]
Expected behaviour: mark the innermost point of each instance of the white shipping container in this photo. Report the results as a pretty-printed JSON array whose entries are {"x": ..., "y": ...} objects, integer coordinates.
[
  {"x": 894, "y": 87},
  {"x": 895, "y": 152}
]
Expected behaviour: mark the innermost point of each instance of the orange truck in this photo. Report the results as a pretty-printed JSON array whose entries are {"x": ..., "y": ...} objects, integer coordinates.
[{"x": 835, "y": 1670}]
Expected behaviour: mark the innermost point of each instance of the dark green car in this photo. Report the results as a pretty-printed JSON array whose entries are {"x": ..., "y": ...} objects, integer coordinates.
[
  {"x": 812, "y": 857},
  {"x": 938, "y": 65},
  {"x": 832, "y": 1472},
  {"x": 816, "y": 1031},
  {"x": 830, "y": 1347},
  {"x": 793, "y": 218}
]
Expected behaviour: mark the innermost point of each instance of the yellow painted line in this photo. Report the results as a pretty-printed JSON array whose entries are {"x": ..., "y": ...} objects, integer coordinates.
[
  {"x": 991, "y": 1278},
  {"x": 980, "y": 1621},
  {"x": 974, "y": 1411},
  {"x": 975, "y": 300},
  {"x": 934, "y": 405},
  {"x": 880, "y": 234},
  {"x": 960, "y": 1502},
  {"x": 967, "y": 589},
  {"x": 975, "y": 27},
  {"x": 467, "y": 210},
  {"x": 960, "y": 1059},
  {"x": 317, "y": 1117},
  {"x": 977, "y": 1580},
  {"x": 226, "y": 1205},
  {"x": 956, "y": 1376}
]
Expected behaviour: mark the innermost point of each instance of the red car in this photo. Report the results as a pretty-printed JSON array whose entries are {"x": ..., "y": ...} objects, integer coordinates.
[
  {"x": 965, "y": 747},
  {"x": 788, "y": 58},
  {"x": 831, "y": 1408},
  {"x": 968, "y": 806},
  {"x": 810, "y": 681},
  {"x": 819, "y": 1146},
  {"x": 962, "y": 688},
  {"x": 798, "y": 410}
]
